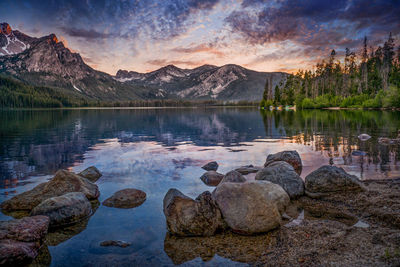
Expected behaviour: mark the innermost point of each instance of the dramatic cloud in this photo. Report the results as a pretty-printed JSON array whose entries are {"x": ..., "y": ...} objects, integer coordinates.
[{"x": 259, "y": 34}]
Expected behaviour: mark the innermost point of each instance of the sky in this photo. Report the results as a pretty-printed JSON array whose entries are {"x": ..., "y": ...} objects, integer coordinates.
[{"x": 143, "y": 35}]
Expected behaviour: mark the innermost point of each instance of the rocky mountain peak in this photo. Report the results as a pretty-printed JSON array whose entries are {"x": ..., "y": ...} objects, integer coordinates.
[{"x": 5, "y": 28}]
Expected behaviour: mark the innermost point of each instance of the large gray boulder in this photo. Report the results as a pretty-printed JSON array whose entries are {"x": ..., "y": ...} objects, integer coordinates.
[
  {"x": 126, "y": 199},
  {"x": 251, "y": 207},
  {"x": 212, "y": 178},
  {"x": 330, "y": 179},
  {"x": 233, "y": 177},
  {"x": 64, "y": 210},
  {"x": 91, "y": 173},
  {"x": 188, "y": 217},
  {"x": 20, "y": 240},
  {"x": 283, "y": 174},
  {"x": 211, "y": 166},
  {"x": 291, "y": 157},
  {"x": 63, "y": 182}
]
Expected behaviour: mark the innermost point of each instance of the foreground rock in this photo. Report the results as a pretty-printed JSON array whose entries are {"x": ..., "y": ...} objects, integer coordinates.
[
  {"x": 247, "y": 169},
  {"x": 64, "y": 210},
  {"x": 211, "y": 166},
  {"x": 188, "y": 217},
  {"x": 212, "y": 178},
  {"x": 91, "y": 173},
  {"x": 126, "y": 199},
  {"x": 291, "y": 157},
  {"x": 251, "y": 207},
  {"x": 115, "y": 243},
  {"x": 63, "y": 182},
  {"x": 330, "y": 179},
  {"x": 21, "y": 239},
  {"x": 283, "y": 174},
  {"x": 233, "y": 177}
]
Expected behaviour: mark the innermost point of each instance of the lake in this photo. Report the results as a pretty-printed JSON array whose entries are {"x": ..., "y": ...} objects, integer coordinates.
[{"x": 158, "y": 149}]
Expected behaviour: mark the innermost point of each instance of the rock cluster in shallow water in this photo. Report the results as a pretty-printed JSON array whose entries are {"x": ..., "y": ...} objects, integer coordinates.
[{"x": 248, "y": 206}]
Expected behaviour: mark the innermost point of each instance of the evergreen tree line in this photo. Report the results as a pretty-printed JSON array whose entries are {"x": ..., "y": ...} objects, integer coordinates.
[{"x": 370, "y": 79}]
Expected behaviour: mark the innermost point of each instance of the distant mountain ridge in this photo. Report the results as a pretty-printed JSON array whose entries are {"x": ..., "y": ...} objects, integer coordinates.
[
  {"x": 47, "y": 62},
  {"x": 228, "y": 82}
]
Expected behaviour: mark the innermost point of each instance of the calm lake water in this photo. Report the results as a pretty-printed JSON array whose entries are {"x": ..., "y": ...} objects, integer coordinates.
[{"x": 157, "y": 149}]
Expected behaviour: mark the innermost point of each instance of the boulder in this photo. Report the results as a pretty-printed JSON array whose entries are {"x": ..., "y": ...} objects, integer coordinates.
[
  {"x": 64, "y": 210},
  {"x": 251, "y": 207},
  {"x": 212, "y": 178},
  {"x": 330, "y": 179},
  {"x": 247, "y": 169},
  {"x": 63, "y": 182},
  {"x": 126, "y": 199},
  {"x": 291, "y": 157},
  {"x": 20, "y": 240},
  {"x": 91, "y": 173},
  {"x": 211, "y": 166},
  {"x": 188, "y": 217},
  {"x": 115, "y": 243},
  {"x": 233, "y": 177},
  {"x": 283, "y": 174}
]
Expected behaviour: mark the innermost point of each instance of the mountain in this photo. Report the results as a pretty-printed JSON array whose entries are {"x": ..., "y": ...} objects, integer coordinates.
[
  {"x": 46, "y": 61},
  {"x": 228, "y": 82}
]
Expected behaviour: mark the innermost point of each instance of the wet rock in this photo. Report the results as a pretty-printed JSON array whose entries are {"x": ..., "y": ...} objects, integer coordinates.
[
  {"x": 283, "y": 174},
  {"x": 188, "y": 217},
  {"x": 238, "y": 248},
  {"x": 126, "y": 199},
  {"x": 247, "y": 169},
  {"x": 233, "y": 177},
  {"x": 212, "y": 178},
  {"x": 251, "y": 207},
  {"x": 330, "y": 179},
  {"x": 291, "y": 157},
  {"x": 64, "y": 210},
  {"x": 115, "y": 243},
  {"x": 21, "y": 239},
  {"x": 63, "y": 182},
  {"x": 211, "y": 166},
  {"x": 91, "y": 173},
  {"x": 364, "y": 137}
]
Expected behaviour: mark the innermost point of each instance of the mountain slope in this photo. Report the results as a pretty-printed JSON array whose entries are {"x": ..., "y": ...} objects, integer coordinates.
[
  {"x": 229, "y": 82},
  {"x": 47, "y": 62}
]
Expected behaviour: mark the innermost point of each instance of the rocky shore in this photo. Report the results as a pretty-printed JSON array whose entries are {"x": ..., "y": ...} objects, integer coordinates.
[
  {"x": 263, "y": 216},
  {"x": 52, "y": 213},
  {"x": 330, "y": 219}
]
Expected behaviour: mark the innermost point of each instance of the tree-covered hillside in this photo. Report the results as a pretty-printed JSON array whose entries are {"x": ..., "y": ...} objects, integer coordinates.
[{"x": 370, "y": 79}]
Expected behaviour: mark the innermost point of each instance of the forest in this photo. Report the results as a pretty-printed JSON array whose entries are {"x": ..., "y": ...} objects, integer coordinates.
[
  {"x": 368, "y": 79},
  {"x": 15, "y": 94}
]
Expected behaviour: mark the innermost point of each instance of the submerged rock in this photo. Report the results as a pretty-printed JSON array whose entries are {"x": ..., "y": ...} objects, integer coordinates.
[
  {"x": 251, "y": 207},
  {"x": 64, "y": 210},
  {"x": 247, "y": 169},
  {"x": 291, "y": 157},
  {"x": 126, "y": 199},
  {"x": 115, "y": 243},
  {"x": 21, "y": 239},
  {"x": 212, "y": 178},
  {"x": 63, "y": 182},
  {"x": 211, "y": 166},
  {"x": 283, "y": 174},
  {"x": 91, "y": 173},
  {"x": 330, "y": 179},
  {"x": 188, "y": 217},
  {"x": 233, "y": 177}
]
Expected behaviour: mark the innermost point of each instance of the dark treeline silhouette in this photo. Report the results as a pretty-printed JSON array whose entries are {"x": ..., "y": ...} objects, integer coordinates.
[{"x": 370, "y": 79}]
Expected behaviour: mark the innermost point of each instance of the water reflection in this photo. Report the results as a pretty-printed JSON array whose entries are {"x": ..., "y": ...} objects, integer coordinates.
[{"x": 41, "y": 142}]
